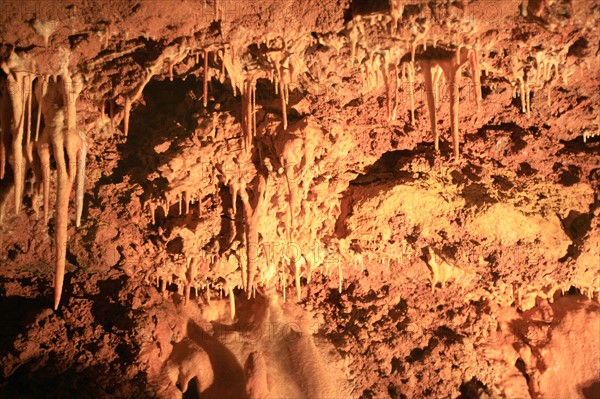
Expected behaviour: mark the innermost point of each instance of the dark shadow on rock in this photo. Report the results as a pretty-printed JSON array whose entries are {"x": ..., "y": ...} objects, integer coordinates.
[
  {"x": 17, "y": 313},
  {"x": 229, "y": 375},
  {"x": 591, "y": 391}
]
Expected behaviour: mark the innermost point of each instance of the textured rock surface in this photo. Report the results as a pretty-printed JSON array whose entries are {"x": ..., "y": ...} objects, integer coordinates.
[{"x": 351, "y": 199}]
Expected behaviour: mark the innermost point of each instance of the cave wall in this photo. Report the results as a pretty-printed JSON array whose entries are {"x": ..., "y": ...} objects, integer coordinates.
[{"x": 418, "y": 176}]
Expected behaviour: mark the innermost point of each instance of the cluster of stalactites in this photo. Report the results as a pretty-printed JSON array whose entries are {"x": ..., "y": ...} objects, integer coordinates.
[
  {"x": 56, "y": 98},
  {"x": 184, "y": 199},
  {"x": 545, "y": 72},
  {"x": 276, "y": 267},
  {"x": 391, "y": 66},
  {"x": 526, "y": 298},
  {"x": 171, "y": 56},
  {"x": 388, "y": 66},
  {"x": 589, "y": 133}
]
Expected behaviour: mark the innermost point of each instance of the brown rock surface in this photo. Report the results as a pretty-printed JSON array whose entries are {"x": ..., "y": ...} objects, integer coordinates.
[{"x": 248, "y": 199}]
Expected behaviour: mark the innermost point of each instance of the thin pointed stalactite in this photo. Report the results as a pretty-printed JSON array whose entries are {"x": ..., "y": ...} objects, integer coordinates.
[
  {"x": 283, "y": 103},
  {"x": 66, "y": 140},
  {"x": 454, "y": 98},
  {"x": 476, "y": 76},
  {"x": 408, "y": 71},
  {"x": 28, "y": 84},
  {"x": 340, "y": 277},
  {"x": 17, "y": 90},
  {"x": 231, "y": 303},
  {"x": 136, "y": 93},
  {"x": 205, "y": 80},
  {"x": 429, "y": 91},
  {"x": 297, "y": 278},
  {"x": 126, "y": 115},
  {"x": 190, "y": 275},
  {"x": 42, "y": 90},
  {"x": 80, "y": 188},
  {"x": 52, "y": 120},
  {"x": 62, "y": 208},
  {"x": 5, "y": 116}
]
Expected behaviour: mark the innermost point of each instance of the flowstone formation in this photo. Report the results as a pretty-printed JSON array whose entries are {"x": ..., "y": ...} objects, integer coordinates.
[{"x": 300, "y": 198}]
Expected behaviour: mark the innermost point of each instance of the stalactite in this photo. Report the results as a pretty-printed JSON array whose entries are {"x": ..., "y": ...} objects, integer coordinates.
[
  {"x": 192, "y": 263},
  {"x": 187, "y": 202},
  {"x": 62, "y": 203},
  {"x": 453, "y": 81},
  {"x": 163, "y": 286},
  {"x": 5, "y": 115},
  {"x": 283, "y": 103},
  {"x": 18, "y": 92},
  {"x": 340, "y": 277},
  {"x": 42, "y": 89},
  {"x": 476, "y": 76},
  {"x": 451, "y": 65},
  {"x": 126, "y": 115},
  {"x": 80, "y": 187},
  {"x": 252, "y": 210},
  {"x": 28, "y": 84},
  {"x": 71, "y": 142},
  {"x": 408, "y": 70},
  {"x": 174, "y": 54},
  {"x": 297, "y": 278},
  {"x": 205, "y": 80},
  {"x": 253, "y": 93},
  {"x": 283, "y": 280},
  {"x": 231, "y": 303},
  {"x": 396, "y": 11},
  {"x": 429, "y": 91},
  {"x": 220, "y": 53},
  {"x": 52, "y": 121}
]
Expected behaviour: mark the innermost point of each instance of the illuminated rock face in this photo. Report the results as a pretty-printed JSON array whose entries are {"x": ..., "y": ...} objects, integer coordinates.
[{"x": 287, "y": 182}]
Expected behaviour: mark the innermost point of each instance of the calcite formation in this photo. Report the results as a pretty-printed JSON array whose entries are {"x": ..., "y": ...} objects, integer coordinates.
[{"x": 263, "y": 190}]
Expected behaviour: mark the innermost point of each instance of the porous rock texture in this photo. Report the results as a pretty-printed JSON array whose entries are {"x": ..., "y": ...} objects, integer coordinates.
[{"x": 300, "y": 199}]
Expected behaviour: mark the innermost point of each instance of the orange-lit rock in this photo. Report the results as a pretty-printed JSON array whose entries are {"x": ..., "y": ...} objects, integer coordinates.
[{"x": 299, "y": 199}]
